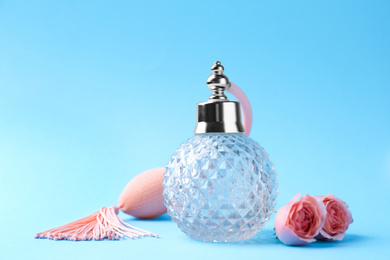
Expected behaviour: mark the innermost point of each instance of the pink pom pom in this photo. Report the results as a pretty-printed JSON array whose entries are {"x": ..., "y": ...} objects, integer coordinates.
[{"x": 142, "y": 196}]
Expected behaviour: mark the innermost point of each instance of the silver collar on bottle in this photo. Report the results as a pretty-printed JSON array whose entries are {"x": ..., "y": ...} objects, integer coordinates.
[{"x": 218, "y": 114}]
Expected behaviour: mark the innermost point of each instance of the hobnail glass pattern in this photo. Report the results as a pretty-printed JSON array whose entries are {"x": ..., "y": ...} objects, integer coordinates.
[{"x": 220, "y": 187}]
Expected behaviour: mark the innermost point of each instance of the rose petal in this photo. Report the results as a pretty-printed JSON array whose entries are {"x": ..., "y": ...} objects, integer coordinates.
[
  {"x": 288, "y": 237},
  {"x": 325, "y": 236}
]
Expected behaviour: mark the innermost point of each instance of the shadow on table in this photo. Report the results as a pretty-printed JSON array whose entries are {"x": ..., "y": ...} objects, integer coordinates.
[
  {"x": 164, "y": 217},
  {"x": 265, "y": 237},
  {"x": 349, "y": 239},
  {"x": 268, "y": 238}
]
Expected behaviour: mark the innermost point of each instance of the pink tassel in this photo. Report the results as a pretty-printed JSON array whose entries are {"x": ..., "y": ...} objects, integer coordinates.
[{"x": 104, "y": 224}]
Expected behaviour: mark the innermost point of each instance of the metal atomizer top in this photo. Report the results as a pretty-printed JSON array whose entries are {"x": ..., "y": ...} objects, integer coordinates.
[{"x": 218, "y": 114}]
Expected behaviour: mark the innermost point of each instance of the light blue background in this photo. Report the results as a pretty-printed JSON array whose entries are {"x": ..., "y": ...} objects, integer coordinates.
[{"x": 94, "y": 92}]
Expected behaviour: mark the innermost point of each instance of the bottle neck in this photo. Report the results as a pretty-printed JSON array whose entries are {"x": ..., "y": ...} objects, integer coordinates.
[{"x": 218, "y": 116}]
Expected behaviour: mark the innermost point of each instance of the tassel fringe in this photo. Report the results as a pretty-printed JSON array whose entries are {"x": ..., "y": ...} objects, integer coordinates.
[{"x": 104, "y": 224}]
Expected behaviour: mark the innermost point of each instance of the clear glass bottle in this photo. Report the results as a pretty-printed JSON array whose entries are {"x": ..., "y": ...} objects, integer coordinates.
[{"x": 220, "y": 185}]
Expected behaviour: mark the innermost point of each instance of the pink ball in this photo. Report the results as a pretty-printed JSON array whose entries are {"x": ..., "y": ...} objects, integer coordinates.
[{"x": 142, "y": 196}]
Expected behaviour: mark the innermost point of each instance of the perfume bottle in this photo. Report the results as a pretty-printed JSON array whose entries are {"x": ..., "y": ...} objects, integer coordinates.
[{"x": 220, "y": 185}]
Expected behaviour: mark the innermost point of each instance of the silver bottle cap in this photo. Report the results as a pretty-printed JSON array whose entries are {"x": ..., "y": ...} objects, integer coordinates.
[{"x": 218, "y": 114}]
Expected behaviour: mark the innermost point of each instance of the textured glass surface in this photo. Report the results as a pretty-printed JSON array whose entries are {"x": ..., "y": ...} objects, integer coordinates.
[{"x": 220, "y": 187}]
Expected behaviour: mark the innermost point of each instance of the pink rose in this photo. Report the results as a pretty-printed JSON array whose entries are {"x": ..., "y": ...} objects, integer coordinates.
[
  {"x": 297, "y": 223},
  {"x": 338, "y": 218}
]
